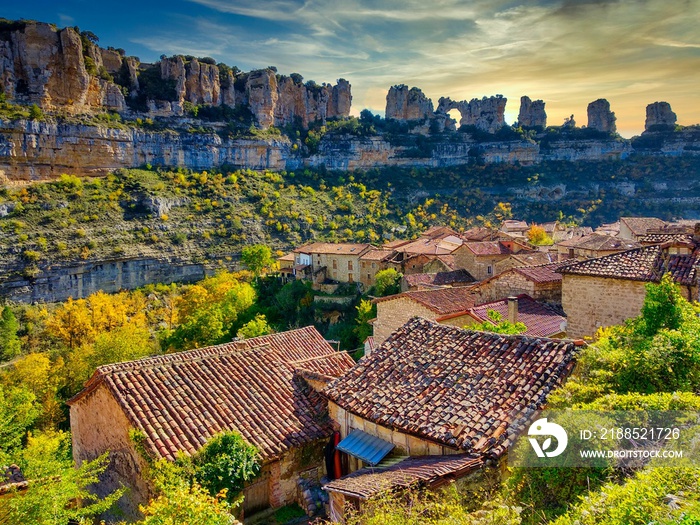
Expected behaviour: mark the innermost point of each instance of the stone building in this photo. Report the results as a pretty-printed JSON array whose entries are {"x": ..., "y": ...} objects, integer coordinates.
[
  {"x": 608, "y": 290},
  {"x": 373, "y": 261},
  {"x": 339, "y": 262},
  {"x": 480, "y": 258},
  {"x": 177, "y": 402},
  {"x": 431, "y": 281},
  {"x": 395, "y": 310},
  {"x": 479, "y": 391},
  {"x": 633, "y": 228},
  {"x": 593, "y": 245},
  {"x": 542, "y": 283}
]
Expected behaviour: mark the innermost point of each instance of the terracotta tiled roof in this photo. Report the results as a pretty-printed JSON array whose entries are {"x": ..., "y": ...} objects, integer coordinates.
[
  {"x": 425, "y": 471},
  {"x": 599, "y": 242},
  {"x": 488, "y": 248},
  {"x": 661, "y": 238},
  {"x": 640, "y": 225},
  {"x": 287, "y": 257},
  {"x": 461, "y": 276},
  {"x": 545, "y": 273},
  {"x": 333, "y": 248},
  {"x": 479, "y": 234},
  {"x": 540, "y": 319},
  {"x": 377, "y": 254},
  {"x": 514, "y": 225},
  {"x": 428, "y": 246},
  {"x": 439, "y": 232},
  {"x": 181, "y": 400},
  {"x": 532, "y": 258},
  {"x": 442, "y": 301},
  {"x": 463, "y": 389},
  {"x": 648, "y": 263}
]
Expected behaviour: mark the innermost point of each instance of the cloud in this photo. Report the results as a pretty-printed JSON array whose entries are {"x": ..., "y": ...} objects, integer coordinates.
[
  {"x": 567, "y": 52},
  {"x": 66, "y": 20}
]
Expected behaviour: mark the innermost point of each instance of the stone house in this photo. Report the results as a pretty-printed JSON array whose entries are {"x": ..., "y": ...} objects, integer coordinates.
[
  {"x": 593, "y": 245},
  {"x": 542, "y": 283},
  {"x": 371, "y": 262},
  {"x": 395, "y": 310},
  {"x": 534, "y": 258},
  {"x": 286, "y": 265},
  {"x": 428, "y": 281},
  {"x": 449, "y": 399},
  {"x": 515, "y": 228},
  {"x": 339, "y": 262},
  {"x": 608, "y": 290},
  {"x": 480, "y": 258},
  {"x": 632, "y": 228},
  {"x": 176, "y": 402}
]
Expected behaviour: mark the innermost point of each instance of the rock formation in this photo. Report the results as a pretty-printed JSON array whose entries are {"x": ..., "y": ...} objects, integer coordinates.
[
  {"x": 485, "y": 114},
  {"x": 61, "y": 69},
  {"x": 660, "y": 117},
  {"x": 600, "y": 117},
  {"x": 405, "y": 104},
  {"x": 532, "y": 114}
]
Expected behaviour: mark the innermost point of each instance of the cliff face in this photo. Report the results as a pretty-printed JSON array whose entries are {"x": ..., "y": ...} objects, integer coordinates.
[
  {"x": 404, "y": 104},
  {"x": 63, "y": 70},
  {"x": 532, "y": 113},
  {"x": 659, "y": 117},
  {"x": 600, "y": 117},
  {"x": 42, "y": 65}
]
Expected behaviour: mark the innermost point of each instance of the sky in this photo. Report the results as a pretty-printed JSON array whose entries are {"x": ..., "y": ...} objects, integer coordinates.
[{"x": 565, "y": 52}]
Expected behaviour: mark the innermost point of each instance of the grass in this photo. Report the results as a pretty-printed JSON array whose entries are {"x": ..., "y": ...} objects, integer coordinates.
[{"x": 289, "y": 513}]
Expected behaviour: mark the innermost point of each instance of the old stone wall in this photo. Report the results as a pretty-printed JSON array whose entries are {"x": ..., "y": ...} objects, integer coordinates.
[
  {"x": 99, "y": 425},
  {"x": 395, "y": 313},
  {"x": 594, "y": 302}
]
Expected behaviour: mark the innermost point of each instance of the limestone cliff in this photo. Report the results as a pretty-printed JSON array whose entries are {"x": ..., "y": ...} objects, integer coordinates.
[
  {"x": 404, "y": 104},
  {"x": 532, "y": 113},
  {"x": 61, "y": 70},
  {"x": 486, "y": 114},
  {"x": 659, "y": 117},
  {"x": 600, "y": 117}
]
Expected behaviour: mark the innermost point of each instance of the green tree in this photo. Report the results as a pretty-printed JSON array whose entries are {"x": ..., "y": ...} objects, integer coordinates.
[
  {"x": 35, "y": 112},
  {"x": 10, "y": 346},
  {"x": 387, "y": 282},
  {"x": 254, "y": 328},
  {"x": 58, "y": 492},
  {"x": 226, "y": 462},
  {"x": 18, "y": 411},
  {"x": 497, "y": 325},
  {"x": 257, "y": 258},
  {"x": 180, "y": 501},
  {"x": 365, "y": 311}
]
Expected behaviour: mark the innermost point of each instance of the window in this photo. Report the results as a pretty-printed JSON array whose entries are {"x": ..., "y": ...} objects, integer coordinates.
[
  {"x": 489, "y": 270},
  {"x": 374, "y": 265},
  {"x": 335, "y": 264},
  {"x": 350, "y": 278},
  {"x": 349, "y": 265}
]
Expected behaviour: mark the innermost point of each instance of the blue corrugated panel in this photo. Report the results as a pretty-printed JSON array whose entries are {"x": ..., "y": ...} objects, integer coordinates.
[{"x": 361, "y": 445}]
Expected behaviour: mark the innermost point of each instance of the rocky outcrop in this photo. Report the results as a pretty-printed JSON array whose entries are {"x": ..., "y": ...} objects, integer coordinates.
[
  {"x": 404, "y": 104},
  {"x": 532, "y": 113},
  {"x": 486, "y": 114},
  {"x": 660, "y": 117},
  {"x": 66, "y": 71},
  {"x": 600, "y": 117}
]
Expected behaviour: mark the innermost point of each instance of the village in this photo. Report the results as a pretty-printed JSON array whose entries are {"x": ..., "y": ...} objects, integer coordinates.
[{"x": 430, "y": 403}]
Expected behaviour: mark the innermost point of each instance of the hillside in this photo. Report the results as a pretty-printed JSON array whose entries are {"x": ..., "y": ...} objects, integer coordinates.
[{"x": 180, "y": 224}]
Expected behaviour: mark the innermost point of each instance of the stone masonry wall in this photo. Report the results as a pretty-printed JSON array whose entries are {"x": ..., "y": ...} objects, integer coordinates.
[
  {"x": 513, "y": 283},
  {"x": 394, "y": 314},
  {"x": 592, "y": 302},
  {"x": 99, "y": 425}
]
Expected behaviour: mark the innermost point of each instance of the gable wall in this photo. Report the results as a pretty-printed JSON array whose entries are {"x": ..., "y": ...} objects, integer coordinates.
[{"x": 394, "y": 314}]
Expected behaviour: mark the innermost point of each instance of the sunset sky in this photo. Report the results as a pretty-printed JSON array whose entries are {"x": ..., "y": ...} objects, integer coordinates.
[{"x": 566, "y": 52}]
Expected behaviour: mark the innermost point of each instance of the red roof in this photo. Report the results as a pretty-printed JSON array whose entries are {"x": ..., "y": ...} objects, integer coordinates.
[
  {"x": 441, "y": 301},
  {"x": 540, "y": 319},
  {"x": 648, "y": 264},
  {"x": 425, "y": 471},
  {"x": 333, "y": 248},
  {"x": 464, "y": 389},
  {"x": 640, "y": 225},
  {"x": 488, "y": 248},
  {"x": 181, "y": 400}
]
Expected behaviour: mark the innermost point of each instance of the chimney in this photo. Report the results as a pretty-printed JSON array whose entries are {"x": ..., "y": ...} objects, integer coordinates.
[{"x": 513, "y": 309}]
